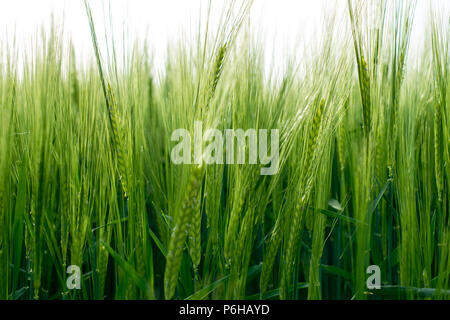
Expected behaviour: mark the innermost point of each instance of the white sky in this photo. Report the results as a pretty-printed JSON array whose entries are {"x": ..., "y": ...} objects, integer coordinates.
[{"x": 281, "y": 22}]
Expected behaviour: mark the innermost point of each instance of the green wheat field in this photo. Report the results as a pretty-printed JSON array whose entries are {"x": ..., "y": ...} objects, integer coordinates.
[{"x": 87, "y": 180}]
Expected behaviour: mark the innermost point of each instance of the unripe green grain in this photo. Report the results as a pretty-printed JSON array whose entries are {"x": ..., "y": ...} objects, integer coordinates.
[
  {"x": 176, "y": 244},
  {"x": 312, "y": 142},
  {"x": 314, "y": 134},
  {"x": 102, "y": 267},
  {"x": 341, "y": 146},
  {"x": 140, "y": 256},
  {"x": 217, "y": 71},
  {"x": 380, "y": 165},
  {"x": 438, "y": 147},
  {"x": 365, "y": 94},
  {"x": 293, "y": 238},
  {"x": 233, "y": 225},
  {"x": 299, "y": 213},
  {"x": 270, "y": 254},
  {"x": 241, "y": 255},
  {"x": 195, "y": 234},
  {"x": 117, "y": 139}
]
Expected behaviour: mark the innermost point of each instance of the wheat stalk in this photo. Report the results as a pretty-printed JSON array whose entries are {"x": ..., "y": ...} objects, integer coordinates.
[
  {"x": 176, "y": 244},
  {"x": 299, "y": 213},
  {"x": 438, "y": 147}
]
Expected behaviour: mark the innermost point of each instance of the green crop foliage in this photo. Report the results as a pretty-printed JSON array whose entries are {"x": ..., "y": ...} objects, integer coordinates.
[{"x": 87, "y": 179}]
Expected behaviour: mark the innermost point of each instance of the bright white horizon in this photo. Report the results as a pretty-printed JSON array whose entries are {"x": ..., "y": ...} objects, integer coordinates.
[{"x": 281, "y": 23}]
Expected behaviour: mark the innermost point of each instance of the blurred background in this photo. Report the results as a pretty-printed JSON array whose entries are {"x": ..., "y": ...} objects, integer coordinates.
[{"x": 283, "y": 26}]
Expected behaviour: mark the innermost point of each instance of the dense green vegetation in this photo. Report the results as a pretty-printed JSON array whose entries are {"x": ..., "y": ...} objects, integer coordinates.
[{"x": 86, "y": 176}]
